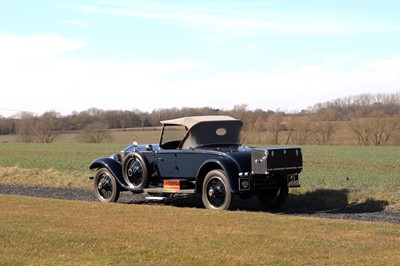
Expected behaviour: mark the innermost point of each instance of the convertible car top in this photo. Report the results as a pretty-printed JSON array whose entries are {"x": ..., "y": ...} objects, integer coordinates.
[{"x": 207, "y": 130}]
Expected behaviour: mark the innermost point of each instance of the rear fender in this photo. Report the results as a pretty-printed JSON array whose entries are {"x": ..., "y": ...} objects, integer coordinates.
[
  {"x": 113, "y": 166},
  {"x": 230, "y": 168}
]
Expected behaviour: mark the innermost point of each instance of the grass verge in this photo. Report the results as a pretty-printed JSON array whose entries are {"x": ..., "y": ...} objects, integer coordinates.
[{"x": 54, "y": 232}]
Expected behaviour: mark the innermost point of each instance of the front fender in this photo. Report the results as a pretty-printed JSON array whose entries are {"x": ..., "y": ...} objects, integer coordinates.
[
  {"x": 230, "y": 167},
  {"x": 112, "y": 165}
]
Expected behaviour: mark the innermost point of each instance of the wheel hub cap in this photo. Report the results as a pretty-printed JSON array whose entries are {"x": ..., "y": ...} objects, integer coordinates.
[{"x": 211, "y": 192}]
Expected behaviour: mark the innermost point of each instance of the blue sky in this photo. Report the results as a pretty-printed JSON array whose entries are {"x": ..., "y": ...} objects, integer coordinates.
[{"x": 70, "y": 56}]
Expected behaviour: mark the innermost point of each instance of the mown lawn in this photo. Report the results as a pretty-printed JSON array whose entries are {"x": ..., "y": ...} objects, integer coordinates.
[{"x": 55, "y": 232}]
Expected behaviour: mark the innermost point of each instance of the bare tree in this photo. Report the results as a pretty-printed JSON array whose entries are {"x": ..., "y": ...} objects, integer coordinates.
[
  {"x": 274, "y": 125},
  {"x": 253, "y": 123},
  {"x": 299, "y": 130},
  {"x": 47, "y": 127},
  {"x": 240, "y": 112},
  {"x": 7, "y": 125},
  {"x": 382, "y": 127},
  {"x": 96, "y": 133},
  {"x": 24, "y": 127},
  {"x": 359, "y": 127},
  {"x": 324, "y": 126}
]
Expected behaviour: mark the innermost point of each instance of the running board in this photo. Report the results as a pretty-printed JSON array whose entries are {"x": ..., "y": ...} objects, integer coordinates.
[
  {"x": 155, "y": 198},
  {"x": 161, "y": 190}
]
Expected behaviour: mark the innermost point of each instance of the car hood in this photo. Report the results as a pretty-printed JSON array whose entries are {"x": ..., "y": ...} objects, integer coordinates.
[{"x": 131, "y": 148}]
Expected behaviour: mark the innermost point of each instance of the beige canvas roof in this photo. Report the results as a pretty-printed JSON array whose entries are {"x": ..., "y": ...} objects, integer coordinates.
[{"x": 190, "y": 121}]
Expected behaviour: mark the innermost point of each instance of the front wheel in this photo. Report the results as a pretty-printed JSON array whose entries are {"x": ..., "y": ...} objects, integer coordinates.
[
  {"x": 217, "y": 193},
  {"x": 105, "y": 186},
  {"x": 274, "y": 198}
]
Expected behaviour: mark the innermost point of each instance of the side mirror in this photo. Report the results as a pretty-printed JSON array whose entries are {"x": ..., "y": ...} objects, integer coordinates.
[{"x": 149, "y": 147}]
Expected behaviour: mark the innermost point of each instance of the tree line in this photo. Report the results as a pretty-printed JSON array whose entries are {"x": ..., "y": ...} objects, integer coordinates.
[{"x": 366, "y": 119}]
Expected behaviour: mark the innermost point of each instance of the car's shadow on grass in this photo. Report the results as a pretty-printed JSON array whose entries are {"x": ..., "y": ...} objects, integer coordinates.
[
  {"x": 330, "y": 201},
  {"x": 318, "y": 201}
]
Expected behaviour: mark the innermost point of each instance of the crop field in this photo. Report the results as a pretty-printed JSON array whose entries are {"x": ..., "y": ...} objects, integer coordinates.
[
  {"x": 50, "y": 164},
  {"x": 363, "y": 172},
  {"x": 54, "y": 232}
]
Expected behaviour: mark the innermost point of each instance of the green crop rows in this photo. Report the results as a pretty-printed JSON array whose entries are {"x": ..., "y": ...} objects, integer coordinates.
[{"x": 370, "y": 171}]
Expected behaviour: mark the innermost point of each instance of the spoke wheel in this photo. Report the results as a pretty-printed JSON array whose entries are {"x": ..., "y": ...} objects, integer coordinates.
[
  {"x": 105, "y": 186},
  {"x": 216, "y": 193},
  {"x": 274, "y": 198},
  {"x": 135, "y": 172}
]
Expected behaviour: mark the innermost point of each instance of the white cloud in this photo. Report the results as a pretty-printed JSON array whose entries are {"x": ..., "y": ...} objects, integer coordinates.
[
  {"x": 229, "y": 20},
  {"x": 67, "y": 84},
  {"x": 339, "y": 58},
  {"x": 15, "y": 48},
  {"x": 35, "y": 78},
  {"x": 297, "y": 89}
]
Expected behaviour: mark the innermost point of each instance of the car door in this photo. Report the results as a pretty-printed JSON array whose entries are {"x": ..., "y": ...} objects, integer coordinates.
[
  {"x": 166, "y": 163},
  {"x": 180, "y": 164},
  {"x": 188, "y": 163}
]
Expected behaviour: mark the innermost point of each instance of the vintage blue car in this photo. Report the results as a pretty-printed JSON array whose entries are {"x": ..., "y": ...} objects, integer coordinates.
[{"x": 202, "y": 155}]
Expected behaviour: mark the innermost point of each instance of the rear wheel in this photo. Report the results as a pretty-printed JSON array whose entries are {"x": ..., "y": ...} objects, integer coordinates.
[
  {"x": 274, "y": 198},
  {"x": 105, "y": 186},
  {"x": 217, "y": 193}
]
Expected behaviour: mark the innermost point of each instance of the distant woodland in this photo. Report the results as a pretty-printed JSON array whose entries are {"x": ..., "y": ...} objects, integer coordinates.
[{"x": 355, "y": 120}]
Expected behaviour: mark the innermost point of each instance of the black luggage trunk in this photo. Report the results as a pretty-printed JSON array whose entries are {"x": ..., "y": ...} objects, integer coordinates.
[{"x": 276, "y": 160}]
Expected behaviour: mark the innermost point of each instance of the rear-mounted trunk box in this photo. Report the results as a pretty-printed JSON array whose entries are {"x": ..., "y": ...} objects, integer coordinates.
[{"x": 265, "y": 161}]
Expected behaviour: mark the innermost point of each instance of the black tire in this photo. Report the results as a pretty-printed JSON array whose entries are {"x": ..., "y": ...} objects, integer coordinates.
[
  {"x": 105, "y": 186},
  {"x": 273, "y": 199},
  {"x": 216, "y": 192},
  {"x": 135, "y": 172}
]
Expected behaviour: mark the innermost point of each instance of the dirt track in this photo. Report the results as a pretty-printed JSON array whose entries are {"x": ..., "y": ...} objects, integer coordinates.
[{"x": 296, "y": 205}]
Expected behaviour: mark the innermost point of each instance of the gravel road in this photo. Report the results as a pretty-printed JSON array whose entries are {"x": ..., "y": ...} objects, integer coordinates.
[{"x": 368, "y": 211}]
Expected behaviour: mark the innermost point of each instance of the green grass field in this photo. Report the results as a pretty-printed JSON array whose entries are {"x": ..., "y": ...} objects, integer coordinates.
[
  {"x": 54, "y": 232},
  {"x": 365, "y": 172},
  {"x": 50, "y": 164},
  {"x": 59, "y": 232}
]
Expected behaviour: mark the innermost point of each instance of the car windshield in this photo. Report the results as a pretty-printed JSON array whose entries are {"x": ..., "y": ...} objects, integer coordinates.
[{"x": 172, "y": 135}]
